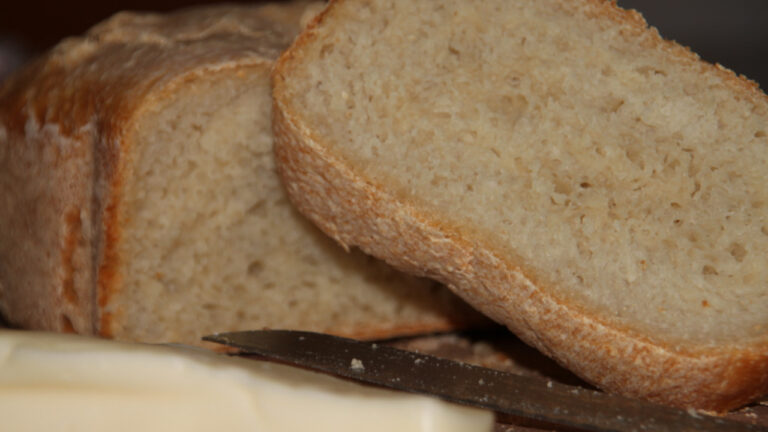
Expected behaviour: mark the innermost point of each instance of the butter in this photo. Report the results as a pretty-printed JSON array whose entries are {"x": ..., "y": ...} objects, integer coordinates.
[{"x": 74, "y": 383}]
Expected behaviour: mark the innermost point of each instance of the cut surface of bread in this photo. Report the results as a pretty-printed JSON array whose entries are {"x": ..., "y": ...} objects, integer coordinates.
[
  {"x": 599, "y": 190},
  {"x": 140, "y": 199}
]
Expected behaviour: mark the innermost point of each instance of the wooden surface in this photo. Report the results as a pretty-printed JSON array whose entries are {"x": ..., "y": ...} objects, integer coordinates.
[{"x": 501, "y": 350}]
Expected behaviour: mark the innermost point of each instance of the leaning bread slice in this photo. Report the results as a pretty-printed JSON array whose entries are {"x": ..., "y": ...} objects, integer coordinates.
[
  {"x": 597, "y": 189},
  {"x": 140, "y": 199}
]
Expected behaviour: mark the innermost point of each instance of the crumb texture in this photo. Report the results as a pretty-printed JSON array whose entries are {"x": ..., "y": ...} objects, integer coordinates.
[
  {"x": 627, "y": 181},
  {"x": 211, "y": 241}
]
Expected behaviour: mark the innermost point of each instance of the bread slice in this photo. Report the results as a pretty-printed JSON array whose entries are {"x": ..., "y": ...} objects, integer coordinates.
[
  {"x": 597, "y": 189},
  {"x": 139, "y": 199}
]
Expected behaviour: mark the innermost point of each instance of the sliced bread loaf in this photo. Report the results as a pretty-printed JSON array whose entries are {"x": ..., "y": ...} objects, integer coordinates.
[
  {"x": 139, "y": 199},
  {"x": 599, "y": 190}
]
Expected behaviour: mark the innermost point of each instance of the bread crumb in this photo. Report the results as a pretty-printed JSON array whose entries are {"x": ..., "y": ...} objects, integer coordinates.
[{"x": 356, "y": 365}]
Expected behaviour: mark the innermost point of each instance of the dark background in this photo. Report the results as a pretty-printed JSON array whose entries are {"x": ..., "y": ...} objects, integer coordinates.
[{"x": 733, "y": 33}]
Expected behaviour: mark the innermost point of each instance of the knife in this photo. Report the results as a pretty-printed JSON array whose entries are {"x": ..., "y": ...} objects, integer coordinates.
[{"x": 521, "y": 396}]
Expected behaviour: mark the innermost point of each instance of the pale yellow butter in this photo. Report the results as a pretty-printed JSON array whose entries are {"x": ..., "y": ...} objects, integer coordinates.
[{"x": 70, "y": 383}]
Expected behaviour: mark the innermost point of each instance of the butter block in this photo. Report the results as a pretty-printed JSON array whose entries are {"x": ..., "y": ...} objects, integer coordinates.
[{"x": 67, "y": 382}]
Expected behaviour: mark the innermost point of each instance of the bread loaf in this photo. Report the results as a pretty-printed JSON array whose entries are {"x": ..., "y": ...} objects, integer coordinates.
[
  {"x": 564, "y": 169},
  {"x": 139, "y": 200}
]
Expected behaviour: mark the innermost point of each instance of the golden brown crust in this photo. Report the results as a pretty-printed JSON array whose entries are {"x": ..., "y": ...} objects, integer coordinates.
[
  {"x": 46, "y": 197},
  {"x": 355, "y": 211}
]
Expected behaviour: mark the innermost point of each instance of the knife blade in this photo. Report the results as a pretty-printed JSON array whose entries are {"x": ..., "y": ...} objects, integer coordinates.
[{"x": 521, "y": 396}]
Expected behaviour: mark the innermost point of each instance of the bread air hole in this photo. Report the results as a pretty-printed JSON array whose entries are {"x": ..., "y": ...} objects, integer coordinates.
[
  {"x": 634, "y": 156},
  {"x": 256, "y": 208},
  {"x": 327, "y": 49},
  {"x": 613, "y": 105},
  {"x": 708, "y": 270},
  {"x": 696, "y": 188},
  {"x": 650, "y": 71},
  {"x": 738, "y": 252},
  {"x": 255, "y": 268}
]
